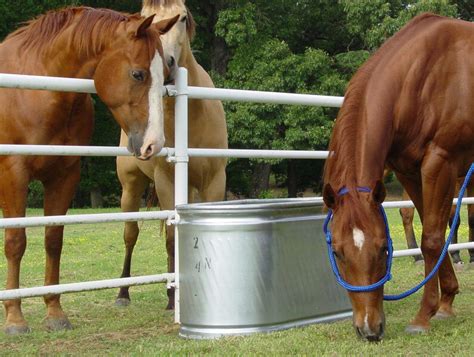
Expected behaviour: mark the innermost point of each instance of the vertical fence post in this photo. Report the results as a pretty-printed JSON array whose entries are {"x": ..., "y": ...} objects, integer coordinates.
[{"x": 181, "y": 164}]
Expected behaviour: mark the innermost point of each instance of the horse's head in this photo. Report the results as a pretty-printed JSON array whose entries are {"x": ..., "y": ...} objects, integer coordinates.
[
  {"x": 359, "y": 244},
  {"x": 177, "y": 40},
  {"x": 129, "y": 80}
]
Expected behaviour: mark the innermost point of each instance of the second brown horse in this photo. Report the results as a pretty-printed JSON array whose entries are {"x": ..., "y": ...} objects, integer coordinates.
[{"x": 409, "y": 106}]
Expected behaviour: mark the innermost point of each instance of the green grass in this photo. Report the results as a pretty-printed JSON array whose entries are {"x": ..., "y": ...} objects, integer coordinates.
[{"x": 93, "y": 252}]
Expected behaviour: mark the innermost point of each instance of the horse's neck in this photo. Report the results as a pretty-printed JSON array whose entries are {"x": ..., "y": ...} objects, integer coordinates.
[
  {"x": 63, "y": 59},
  {"x": 188, "y": 61},
  {"x": 370, "y": 161},
  {"x": 360, "y": 161}
]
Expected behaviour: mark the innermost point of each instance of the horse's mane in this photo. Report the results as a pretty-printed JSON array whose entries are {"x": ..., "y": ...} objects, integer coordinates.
[
  {"x": 95, "y": 27},
  {"x": 340, "y": 167},
  {"x": 190, "y": 23}
]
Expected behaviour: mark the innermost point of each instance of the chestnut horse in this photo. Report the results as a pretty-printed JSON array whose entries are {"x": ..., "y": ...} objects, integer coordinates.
[
  {"x": 123, "y": 54},
  {"x": 207, "y": 129},
  {"x": 410, "y": 107}
]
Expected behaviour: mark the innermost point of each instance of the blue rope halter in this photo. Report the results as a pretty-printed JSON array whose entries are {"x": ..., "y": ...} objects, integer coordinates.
[{"x": 388, "y": 275}]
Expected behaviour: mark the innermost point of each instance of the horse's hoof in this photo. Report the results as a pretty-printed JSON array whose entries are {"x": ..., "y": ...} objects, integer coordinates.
[
  {"x": 459, "y": 266},
  {"x": 16, "y": 330},
  {"x": 170, "y": 305},
  {"x": 57, "y": 324},
  {"x": 122, "y": 302},
  {"x": 443, "y": 315},
  {"x": 416, "y": 329}
]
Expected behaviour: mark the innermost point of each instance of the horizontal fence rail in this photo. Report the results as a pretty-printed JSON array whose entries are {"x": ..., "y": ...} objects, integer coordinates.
[
  {"x": 112, "y": 151},
  {"x": 61, "y": 84},
  {"x": 24, "y": 222},
  {"x": 264, "y": 97},
  {"x": 417, "y": 251},
  {"x": 167, "y": 278}
]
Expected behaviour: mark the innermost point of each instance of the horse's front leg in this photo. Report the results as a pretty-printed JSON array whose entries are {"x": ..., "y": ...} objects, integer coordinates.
[
  {"x": 13, "y": 193},
  {"x": 439, "y": 179},
  {"x": 455, "y": 254},
  {"x": 58, "y": 193},
  {"x": 407, "y": 214},
  {"x": 134, "y": 183},
  {"x": 165, "y": 192}
]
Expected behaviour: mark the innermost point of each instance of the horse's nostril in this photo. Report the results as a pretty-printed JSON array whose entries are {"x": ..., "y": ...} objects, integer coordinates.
[
  {"x": 370, "y": 336},
  {"x": 171, "y": 62},
  {"x": 373, "y": 338}
]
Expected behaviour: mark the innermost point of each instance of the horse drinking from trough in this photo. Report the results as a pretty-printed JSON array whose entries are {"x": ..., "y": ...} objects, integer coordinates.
[
  {"x": 124, "y": 56},
  {"x": 207, "y": 129},
  {"x": 409, "y": 106}
]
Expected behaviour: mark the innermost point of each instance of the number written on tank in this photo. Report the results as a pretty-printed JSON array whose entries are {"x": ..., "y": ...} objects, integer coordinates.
[{"x": 203, "y": 265}]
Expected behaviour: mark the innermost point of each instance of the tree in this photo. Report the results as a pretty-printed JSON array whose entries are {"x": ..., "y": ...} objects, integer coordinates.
[
  {"x": 261, "y": 59},
  {"x": 374, "y": 21}
]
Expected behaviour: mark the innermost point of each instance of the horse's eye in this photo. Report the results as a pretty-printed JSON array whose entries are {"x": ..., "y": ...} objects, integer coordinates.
[
  {"x": 138, "y": 75},
  {"x": 384, "y": 250},
  {"x": 184, "y": 19}
]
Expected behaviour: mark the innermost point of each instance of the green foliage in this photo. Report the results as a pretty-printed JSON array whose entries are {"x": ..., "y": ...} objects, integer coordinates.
[
  {"x": 35, "y": 194},
  {"x": 263, "y": 61},
  {"x": 376, "y": 20},
  {"x": 237, "y": 25},
  {"x": 14, "y": 13}
]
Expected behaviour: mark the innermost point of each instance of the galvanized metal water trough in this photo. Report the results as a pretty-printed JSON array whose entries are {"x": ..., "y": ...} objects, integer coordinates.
[{"x": 255, "y": 266}]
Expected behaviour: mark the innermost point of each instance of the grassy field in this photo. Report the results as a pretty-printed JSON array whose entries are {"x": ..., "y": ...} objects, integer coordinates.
[{"x": 95, "y": 252}]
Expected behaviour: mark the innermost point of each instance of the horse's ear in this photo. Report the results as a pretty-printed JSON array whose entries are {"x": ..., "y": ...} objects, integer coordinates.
[
  {"x": 165, "y": 25},
  {"x": 329, "y": 196},
  {"x": 379, "y": 192},
  {"x": 141, "y": 32}
]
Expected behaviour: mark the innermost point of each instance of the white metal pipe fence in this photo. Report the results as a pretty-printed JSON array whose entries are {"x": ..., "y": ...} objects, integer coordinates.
[{"x": 178, "y": 155}]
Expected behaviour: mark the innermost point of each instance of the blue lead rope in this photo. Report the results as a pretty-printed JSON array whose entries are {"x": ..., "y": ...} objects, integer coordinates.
[{"x": 387, "y": 277}]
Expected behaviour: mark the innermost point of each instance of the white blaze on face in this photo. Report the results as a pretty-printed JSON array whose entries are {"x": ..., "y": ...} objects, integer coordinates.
[
  {"x": 154, "y": 134},
  {"x": 359, "y": 238},
  {"x": 366, "y": 322}
]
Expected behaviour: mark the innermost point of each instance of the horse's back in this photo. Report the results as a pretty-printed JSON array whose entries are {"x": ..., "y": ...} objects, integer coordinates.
[
  {"x": 209, "y": 116},
  {"x": 422, "y": 80}
]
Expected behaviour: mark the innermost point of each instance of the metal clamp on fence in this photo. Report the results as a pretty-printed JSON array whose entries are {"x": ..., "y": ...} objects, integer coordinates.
[{"x": 170, "y": 91}]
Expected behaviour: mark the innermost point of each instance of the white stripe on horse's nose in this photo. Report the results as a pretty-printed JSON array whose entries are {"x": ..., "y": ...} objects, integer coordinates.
[{"x": 154, "y": 138}]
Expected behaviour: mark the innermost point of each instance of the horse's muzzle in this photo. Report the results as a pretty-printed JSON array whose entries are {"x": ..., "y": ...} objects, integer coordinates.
[
  {"x": 371, "y": 336},
  {"x": 135, "y": 142}
]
